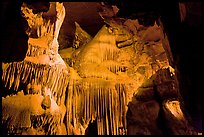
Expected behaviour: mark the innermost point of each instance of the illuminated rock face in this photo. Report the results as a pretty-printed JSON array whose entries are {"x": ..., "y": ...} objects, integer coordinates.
[
  {"x": 121, "y": 80},
  {"x": 135, "y": 68},
  {"x": 39, "y": 108}
]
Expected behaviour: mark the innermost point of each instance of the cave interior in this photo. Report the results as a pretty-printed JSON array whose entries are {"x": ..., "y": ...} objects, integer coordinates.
[{"x": 180, "y": 24}]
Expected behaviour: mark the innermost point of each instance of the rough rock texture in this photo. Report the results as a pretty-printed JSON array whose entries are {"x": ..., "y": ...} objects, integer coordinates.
[
  {"x": 138, "y": 63},
  {"x": 85, "y": 14},
  {"x": 45, "y": 75},
  {"x": 121, "y": 80}
]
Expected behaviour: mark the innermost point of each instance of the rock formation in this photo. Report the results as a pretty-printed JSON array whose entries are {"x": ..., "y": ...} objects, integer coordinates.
[
  {"x": 45, "y": 75},
  {"x": 121, "y": 80}
]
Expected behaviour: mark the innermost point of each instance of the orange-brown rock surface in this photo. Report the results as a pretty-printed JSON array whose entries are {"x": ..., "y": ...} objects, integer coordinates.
[
  {"x": 45, "y": 75},
  {"x": 121, "y": 80}
]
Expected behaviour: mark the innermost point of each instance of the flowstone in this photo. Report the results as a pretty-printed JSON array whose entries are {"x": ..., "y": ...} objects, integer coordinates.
[
  {"x": 121, "y": 80},
  {"x": 45, "y": 75}
]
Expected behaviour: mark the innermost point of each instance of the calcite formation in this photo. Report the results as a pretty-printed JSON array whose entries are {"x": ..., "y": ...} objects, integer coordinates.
[
  {"x": 121, "y": 79},
  {"x": 134, "y": 69},
  {"x": 45, "y": 75}
]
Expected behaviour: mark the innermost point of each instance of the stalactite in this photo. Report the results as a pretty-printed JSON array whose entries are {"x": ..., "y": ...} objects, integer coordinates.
[
  {"x": 34, "y": 50},
  {"x": 94, "y": 90},
  {"x": 90, "y": 52},
  {"x": 24, "y": 72},
  {"x": 106, "y": 113},
  {"x": 61, "y": 94},
  {"x": 96, "y": 96},
  {"x": 55, "y": 84},
  {"x": 48, "y": 122},
  {"x": 17, "y": 108},
  {"x": 42, "y": 67},
  {"x": 45, "y": 29},
  {"x": 124, "y": 110},
  {"x": 114, "y": 66}
]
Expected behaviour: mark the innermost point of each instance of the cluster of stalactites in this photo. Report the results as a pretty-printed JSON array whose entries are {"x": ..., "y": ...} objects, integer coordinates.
[
  {"x": 95, "y": 99},
  {"x": 37, "y": 25},
  {"x": 46, "y": 28},
  {"x": 34, "y": 51},
  {"x": 49, "y": 122},
  {"x": 24, "y": 72},
  {"x": 114, "y": 66},
  {"x": 44, "y": 24},
  {"x": 23, "y": 112},
  {"x": 103, "y": 42}
]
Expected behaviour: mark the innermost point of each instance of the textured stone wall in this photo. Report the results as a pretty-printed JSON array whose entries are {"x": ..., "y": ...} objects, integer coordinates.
[{"x": 123, "y": 80}]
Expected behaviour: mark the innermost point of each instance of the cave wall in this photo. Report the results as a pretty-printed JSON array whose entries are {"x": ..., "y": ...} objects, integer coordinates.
[
  {"x": 88, "y": 18},
  {"x": 182, "y": 22},
  {"x": 189, "y": 54},
  {"x": 13, "y": 27},
  {"x": 23, "y": 88},
  {"x": 184, "y": 38}
]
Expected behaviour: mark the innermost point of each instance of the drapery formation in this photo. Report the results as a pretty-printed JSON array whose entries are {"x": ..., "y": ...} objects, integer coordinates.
[
  {"x": 96, "y": 80},
  {"x": 40, "y": 80}
]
